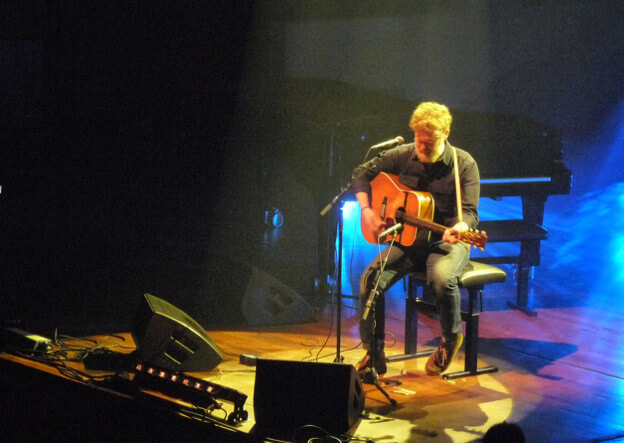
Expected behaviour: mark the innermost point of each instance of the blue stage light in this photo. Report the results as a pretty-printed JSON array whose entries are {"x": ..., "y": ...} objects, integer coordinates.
[{"x": 273, "y": 217}]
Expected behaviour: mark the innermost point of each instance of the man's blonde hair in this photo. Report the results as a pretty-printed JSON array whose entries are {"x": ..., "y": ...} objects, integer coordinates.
[{"x": 431, "y": 117}]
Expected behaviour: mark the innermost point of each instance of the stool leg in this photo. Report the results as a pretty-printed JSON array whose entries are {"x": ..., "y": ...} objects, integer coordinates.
[
  {"x": 411, "y": 329},
  {"x": 411, "y": 325},
  {"x": 472, "y": 341},
  {"x": 472, "y": 333}
]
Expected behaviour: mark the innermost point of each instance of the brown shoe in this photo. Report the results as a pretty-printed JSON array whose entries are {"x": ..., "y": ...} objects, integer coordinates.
[
  {"x": 440, "y": 360},
  {"x": 380, "y": 363}
]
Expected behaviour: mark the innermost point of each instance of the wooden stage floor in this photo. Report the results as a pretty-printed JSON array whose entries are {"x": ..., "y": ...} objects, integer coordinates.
[
  {"x": 556, "y": 381},
  {"x": 560, "y": 374}
]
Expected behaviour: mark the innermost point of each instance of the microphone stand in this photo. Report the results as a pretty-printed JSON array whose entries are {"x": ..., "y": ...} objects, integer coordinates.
[
  {"x": 375, "y": 152},
  {"x": 371, "y": 376},
  {"x": 337, "y": 201}
]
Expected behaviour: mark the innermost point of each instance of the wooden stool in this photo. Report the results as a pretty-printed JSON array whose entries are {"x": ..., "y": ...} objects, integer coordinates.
[{"x": 474, "y": 278}]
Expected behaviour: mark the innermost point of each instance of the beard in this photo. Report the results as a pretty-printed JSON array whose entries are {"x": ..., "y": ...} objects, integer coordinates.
[
  {"x": 425, "y": 157},
  {"x": 429, "y": 155}
]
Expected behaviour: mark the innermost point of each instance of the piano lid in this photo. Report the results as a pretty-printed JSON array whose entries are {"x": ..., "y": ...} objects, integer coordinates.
[{"x": 515, "y": 155}]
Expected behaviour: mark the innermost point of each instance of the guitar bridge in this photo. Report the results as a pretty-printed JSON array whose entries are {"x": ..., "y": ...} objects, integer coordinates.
[{"x": 384, "y": 205}]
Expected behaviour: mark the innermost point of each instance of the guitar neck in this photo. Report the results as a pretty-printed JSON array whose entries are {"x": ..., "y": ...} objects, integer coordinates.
[
  {"x": 420, "y": 222},
  {"x": 474, "y": 238}
]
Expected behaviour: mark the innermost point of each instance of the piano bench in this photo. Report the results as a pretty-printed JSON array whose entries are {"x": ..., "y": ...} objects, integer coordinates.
[
  {"x": 529, "y": 235},
  {"x": 512, "y": 230},
  {"x": 474, "y": 278}
]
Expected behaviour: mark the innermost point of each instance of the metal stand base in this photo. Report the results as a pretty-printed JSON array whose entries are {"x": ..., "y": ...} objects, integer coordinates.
[{"x": 371, "y": 377}]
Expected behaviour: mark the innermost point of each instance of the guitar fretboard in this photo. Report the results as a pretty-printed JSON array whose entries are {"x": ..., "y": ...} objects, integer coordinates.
[{"x": 414, "y": 220}]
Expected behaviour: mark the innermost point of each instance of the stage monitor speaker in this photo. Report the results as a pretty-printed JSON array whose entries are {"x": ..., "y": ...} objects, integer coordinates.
[
  {"x": 168, "y": 338},
  {"x": 291, "y": 394},
  {"x": 238, "y": 294},
  {"x": 268, "y": 301}
]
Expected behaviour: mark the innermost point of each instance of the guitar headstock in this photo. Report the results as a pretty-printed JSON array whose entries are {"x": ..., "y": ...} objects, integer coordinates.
[{"x": 474, "y": 238}]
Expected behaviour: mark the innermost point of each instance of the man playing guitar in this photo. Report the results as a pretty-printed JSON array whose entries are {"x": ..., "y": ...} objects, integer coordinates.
[{"x": 415, "y": 185}]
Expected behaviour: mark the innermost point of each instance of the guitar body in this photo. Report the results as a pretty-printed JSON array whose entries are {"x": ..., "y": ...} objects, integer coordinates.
[{"x": 390, "y": 200}]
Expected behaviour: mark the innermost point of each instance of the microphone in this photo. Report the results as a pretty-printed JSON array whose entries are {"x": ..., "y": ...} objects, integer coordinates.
[
  {"x": 389, "y": 143},
  {"x": 391, "y": 230}
]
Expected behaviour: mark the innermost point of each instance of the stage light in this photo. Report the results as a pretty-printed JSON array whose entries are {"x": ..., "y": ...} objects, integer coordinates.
[{"x": 273, "y": 217}]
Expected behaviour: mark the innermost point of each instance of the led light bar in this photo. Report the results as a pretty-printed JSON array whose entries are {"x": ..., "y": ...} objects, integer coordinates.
[{"x": 191, "y": 389}]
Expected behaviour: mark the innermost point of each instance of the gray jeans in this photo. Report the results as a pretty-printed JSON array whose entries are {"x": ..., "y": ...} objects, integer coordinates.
[{"x": 444, "y": 264}]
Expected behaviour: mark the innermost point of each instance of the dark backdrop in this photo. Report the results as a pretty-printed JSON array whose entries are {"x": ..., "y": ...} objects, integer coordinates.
[
  {"x": 115, "y": 123},
  {"x": 142, "y": 143}
]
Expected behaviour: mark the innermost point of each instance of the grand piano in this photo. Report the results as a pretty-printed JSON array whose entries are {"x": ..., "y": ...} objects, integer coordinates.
[{"x": 517, "y": 157}]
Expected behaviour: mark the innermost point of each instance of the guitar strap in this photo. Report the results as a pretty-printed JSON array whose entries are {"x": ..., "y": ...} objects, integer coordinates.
[{"x": 460, "y": 214}]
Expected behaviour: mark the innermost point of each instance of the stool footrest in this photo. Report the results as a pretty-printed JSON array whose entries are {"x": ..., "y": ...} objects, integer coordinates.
[
  {"x": 403, "y": 357},
  {"x": 461, "y": 374}
]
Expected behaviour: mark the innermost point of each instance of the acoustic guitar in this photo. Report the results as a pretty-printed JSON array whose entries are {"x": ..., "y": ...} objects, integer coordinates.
[{"x": 396, "y": 203}]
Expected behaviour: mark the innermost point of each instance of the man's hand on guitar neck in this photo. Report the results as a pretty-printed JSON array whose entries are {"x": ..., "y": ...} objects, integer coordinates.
[
  {"x": 453, "y": 234},
  {"x": 373, "y": 222}
]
